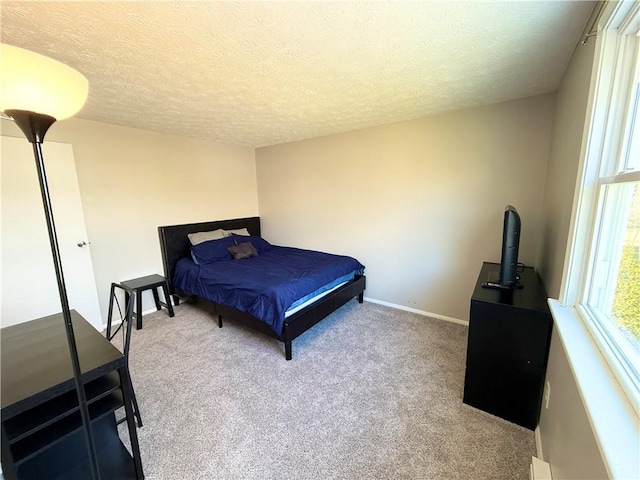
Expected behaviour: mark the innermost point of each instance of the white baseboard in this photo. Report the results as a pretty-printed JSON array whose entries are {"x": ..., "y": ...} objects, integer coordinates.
[
  {"x": 372, "y": 300},
  {"x": 539, "y": 453},
  {"x": 539, "y": 470},
  {"x": 116, "y": 321},
  {"x": 419, "y": 312}
]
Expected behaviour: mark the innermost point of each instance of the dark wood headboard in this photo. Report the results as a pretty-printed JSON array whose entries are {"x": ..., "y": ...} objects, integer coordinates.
[{"x": 175, "y": 245}]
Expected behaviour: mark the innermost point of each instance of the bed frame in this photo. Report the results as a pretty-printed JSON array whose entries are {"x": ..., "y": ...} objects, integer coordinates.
[{"x": 175, "y": 245}]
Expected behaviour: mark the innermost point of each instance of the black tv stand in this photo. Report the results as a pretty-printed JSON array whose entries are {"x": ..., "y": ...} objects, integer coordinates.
[{"x": 507, "y": 349}]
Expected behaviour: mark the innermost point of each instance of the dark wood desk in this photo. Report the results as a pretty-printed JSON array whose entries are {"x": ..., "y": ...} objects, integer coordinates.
[
  {"x": 42, "y": 435},
  {"x": 507, "y": 348}
]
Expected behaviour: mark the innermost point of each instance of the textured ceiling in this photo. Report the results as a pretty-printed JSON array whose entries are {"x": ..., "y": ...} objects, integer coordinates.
[{"x": 256, "y": 74}]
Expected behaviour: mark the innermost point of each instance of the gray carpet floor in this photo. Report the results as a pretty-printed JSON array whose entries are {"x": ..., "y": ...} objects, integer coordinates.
[{"x": 371, "y": 393}]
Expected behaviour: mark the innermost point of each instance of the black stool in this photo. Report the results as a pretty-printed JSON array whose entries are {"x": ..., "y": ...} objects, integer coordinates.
[
  {"x": 139, "y": 285},
  {"x": 125, "y": 322}
]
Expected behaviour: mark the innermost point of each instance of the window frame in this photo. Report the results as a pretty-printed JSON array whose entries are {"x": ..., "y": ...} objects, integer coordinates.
[{"x": 610, "y": 115}]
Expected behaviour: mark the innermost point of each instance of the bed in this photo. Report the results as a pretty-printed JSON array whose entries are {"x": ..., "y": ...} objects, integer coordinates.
[{"x": 177, "y": 259}]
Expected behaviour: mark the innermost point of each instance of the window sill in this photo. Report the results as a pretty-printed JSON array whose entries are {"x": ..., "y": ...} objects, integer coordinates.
[{"x": 614, "y": 421}]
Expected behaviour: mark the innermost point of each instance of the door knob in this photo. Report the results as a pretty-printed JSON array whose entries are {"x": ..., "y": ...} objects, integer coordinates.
[{"x": 82, "y": 244}]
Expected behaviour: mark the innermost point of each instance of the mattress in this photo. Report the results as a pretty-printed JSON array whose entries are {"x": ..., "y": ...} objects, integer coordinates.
[{"x": 326, "y": 290}]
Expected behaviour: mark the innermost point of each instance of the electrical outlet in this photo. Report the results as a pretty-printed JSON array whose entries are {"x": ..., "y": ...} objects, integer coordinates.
[{"x": 547, "y": 394}]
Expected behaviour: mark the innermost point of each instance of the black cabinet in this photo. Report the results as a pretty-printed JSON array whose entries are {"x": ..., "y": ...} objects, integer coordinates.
[
  {"x": 42, "y": 434},
  {"x": 507, "y": 348}
]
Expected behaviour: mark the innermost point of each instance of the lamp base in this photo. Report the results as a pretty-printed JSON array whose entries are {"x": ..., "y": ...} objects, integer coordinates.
[{"x": 33, "y": 125}]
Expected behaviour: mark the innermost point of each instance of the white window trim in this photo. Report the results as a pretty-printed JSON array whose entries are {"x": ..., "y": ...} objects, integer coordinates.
[{"x": 610, "y": 398}]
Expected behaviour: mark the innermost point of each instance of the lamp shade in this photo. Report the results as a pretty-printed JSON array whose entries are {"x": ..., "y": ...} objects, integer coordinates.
[{"x": 35, "y": 83}]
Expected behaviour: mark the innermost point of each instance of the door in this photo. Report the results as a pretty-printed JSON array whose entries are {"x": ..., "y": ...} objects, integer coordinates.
[{"x": 29, "y": 287}]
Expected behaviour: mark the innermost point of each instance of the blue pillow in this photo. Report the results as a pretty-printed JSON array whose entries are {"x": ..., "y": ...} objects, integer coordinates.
[
  {"x": 212, "y": 251},
  {"x": 259, "y": 243}
]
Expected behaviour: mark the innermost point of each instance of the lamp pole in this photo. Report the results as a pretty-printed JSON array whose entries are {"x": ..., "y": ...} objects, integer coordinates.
[{"x": 35, "y": 126}]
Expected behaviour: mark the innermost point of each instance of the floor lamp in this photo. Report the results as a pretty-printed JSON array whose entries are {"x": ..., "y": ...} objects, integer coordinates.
[{"x": 35, "y": 91}]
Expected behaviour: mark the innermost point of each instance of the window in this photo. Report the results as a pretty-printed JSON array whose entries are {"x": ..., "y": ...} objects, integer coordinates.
[{"x": 603, "y": 279}]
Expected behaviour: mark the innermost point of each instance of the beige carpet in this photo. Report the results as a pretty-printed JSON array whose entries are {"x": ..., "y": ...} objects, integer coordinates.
[{"x": 371, "y": 393}]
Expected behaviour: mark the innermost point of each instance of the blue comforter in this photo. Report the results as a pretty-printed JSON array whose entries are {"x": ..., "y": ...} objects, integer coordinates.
[{"x": 267, "y": 285}]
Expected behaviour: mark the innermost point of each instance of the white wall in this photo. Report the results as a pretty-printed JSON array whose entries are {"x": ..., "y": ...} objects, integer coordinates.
[
  {"x": 567, "y": 439},
  {"x": 419, "y": 203},
  {"x": 132, "y": 181},
  {"x": 566, "y": 142}
]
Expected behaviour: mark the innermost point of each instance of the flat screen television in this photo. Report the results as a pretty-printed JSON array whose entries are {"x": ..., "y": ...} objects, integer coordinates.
[{"x": 508, "y": 276}]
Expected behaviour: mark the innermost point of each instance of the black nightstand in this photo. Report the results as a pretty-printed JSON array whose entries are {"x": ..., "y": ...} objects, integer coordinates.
[{"x": 150, "y": 282}]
